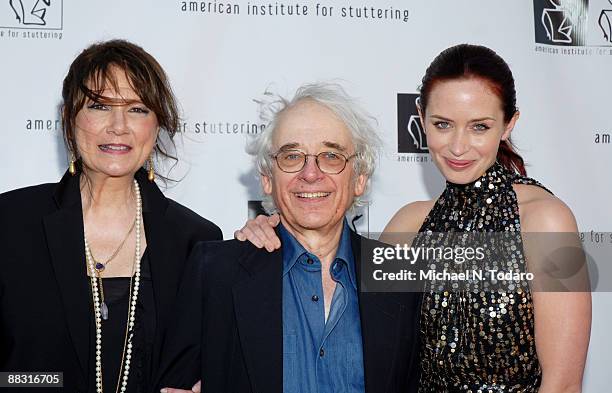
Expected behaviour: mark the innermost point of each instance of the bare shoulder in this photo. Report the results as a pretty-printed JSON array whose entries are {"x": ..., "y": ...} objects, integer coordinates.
[
  {"x": 410, "y": 217},
  {"x": 543, "y": 212}
]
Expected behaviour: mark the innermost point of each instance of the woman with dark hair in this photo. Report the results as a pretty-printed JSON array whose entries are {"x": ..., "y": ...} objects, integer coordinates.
[
  {"x": 521, "y": 337},
  {"x": 514, "y": 338},
  {"x": 91, "y": 264}
]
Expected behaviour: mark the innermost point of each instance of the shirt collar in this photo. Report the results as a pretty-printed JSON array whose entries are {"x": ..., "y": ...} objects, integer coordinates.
[
  {"x": 345, "y": 253},
  {"x": 292, "y": 250}
]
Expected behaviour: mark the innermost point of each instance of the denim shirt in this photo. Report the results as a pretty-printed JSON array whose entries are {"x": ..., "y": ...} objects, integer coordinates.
[{"x": 320, "y": 356}]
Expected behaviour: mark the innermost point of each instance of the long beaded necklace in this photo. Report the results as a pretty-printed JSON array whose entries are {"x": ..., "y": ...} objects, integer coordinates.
[{"x": 124, "y": 370}]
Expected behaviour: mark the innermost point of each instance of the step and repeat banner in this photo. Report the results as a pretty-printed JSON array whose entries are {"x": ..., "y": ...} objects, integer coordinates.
[{"x": 221, "y": 56}]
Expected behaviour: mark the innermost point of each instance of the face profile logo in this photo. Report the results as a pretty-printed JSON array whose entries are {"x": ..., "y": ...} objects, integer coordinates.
[
  {"x": 557, "y": 23},
  {"x": 605, "y": 23},
  {"x": 32, "y": 14},
  {"x": 410, "y": 133},
  {"x": 560, "y": 22}
]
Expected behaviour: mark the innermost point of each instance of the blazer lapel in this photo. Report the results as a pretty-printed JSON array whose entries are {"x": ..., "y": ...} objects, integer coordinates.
[
  {"x": 258, "y": 307},
  {"x": 64, "y": 231},
  {"x": 165, "y": 274},
  {"x": 380, "y": 325}
]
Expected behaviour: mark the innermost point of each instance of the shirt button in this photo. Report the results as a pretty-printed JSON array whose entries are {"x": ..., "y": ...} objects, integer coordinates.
[
  {"x": 321, "y": 352},
  {"x": 309, "y": 261},
  {"x": 315, "y": 298}
]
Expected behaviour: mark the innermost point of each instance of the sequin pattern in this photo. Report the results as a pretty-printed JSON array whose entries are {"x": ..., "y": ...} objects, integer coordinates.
[{"x": 477, "y": 340}]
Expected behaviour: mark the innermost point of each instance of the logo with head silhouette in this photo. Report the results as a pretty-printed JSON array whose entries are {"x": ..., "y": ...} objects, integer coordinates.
[
  {"x": 410, "y": 134},
  {"x": 32, "y": 14},
  {"x": 605, "y": 23},
  {"x": 560, "y": 22}
]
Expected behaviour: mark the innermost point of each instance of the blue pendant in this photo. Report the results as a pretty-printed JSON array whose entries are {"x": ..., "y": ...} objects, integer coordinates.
[{"x": 99, "y": 266}]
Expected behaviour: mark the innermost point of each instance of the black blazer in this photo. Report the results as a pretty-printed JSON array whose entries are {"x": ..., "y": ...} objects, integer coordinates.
[
  {"x": 235, "y": 331},
  {"x": 46, "y": 314}
]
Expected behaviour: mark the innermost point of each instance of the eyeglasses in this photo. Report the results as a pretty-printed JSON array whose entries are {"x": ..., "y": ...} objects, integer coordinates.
[{"x": 329, "y": 162}]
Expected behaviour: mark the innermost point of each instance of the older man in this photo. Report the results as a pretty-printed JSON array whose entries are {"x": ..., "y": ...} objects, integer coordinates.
[{"x": 295, "y": 320}]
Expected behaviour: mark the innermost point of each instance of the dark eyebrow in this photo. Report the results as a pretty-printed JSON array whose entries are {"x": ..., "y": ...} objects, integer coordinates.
[
  {"x": 334, "y": 145},
  {"x": 100, "y": 99},
  {"x": 483, "y": 119},
  {"x": 471, "y": 121},
  {"x": 440, "y": 117}
]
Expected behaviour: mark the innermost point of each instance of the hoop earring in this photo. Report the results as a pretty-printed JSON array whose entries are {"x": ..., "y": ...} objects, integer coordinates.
[
  {"x": 72, "y": 165},
  {"x": 151, "y": 175}
]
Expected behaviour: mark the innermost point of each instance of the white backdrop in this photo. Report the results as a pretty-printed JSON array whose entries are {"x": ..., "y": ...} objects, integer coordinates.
[{"x": 218, "y": 62}]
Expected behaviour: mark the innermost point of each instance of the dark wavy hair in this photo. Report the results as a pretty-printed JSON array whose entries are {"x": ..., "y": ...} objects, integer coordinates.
[
  {"x": 91, "y": 72},
  {"x": 475, "y": 61}
]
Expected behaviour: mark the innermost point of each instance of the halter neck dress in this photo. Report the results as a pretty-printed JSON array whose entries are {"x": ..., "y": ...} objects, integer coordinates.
[{"x": 478, "y": 339}]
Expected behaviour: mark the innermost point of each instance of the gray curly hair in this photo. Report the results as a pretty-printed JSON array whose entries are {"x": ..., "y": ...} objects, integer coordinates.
[{"x": 361, "y": 125}]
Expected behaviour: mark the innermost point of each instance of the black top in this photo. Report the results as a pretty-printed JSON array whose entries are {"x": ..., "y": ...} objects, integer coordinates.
[
  {"x": 46, "y": 318},
  {"x": 117, "y": 296},
  {"x": 477, "y": 338}
]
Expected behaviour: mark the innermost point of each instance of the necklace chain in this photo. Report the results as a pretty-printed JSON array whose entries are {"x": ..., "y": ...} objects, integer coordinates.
[
  {"x": 116, "y": 252},
  {"x": 124, "y": 371}
]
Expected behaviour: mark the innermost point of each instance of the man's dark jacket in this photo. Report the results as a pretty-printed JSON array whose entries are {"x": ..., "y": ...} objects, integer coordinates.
[{"x": 228, "y": 329}]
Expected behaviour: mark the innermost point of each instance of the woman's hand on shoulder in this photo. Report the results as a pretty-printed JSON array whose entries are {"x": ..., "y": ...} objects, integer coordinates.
[{"x": 260, "y": 232}]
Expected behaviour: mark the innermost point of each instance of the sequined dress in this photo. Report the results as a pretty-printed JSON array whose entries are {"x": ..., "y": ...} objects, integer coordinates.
[{"x": 479, "y": 340}]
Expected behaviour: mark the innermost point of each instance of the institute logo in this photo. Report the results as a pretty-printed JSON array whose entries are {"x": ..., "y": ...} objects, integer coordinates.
[
  {"x": 32, "y": 14},
  {"x": 573, "y": 27},
  {"x": 410, "y": 134},
  {"x": 561, "y": 22},
  {"x": 605, "y": 22}
]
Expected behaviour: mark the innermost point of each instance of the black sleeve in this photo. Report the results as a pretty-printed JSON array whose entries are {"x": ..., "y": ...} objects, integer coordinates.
[
  {"x": 210, "y": 232},
  {"x": 196, "y": 227},
  {"x": 180, "y": 363}
]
